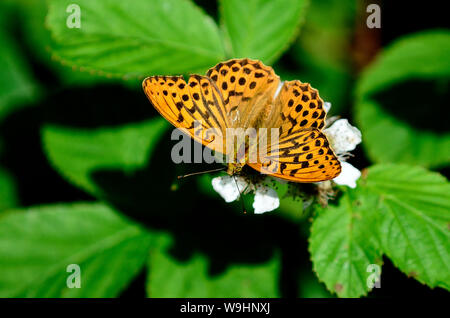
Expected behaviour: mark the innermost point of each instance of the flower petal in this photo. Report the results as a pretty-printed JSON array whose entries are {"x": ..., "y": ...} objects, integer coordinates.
[
  {"x": 266, "y": 199},
  {"x": 343, "y": 137},
  {"x": 348, "y": 175},
  {"x": 326, "y": 106},
  {"x": 226, "y": 187}
]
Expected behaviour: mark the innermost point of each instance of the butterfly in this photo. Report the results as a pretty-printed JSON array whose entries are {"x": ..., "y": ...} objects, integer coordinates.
[{"x": 245, "y": 93}]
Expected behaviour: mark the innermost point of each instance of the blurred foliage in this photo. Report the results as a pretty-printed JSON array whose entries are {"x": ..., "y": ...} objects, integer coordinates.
[
  {"x": 400, "y": 97},
  {"x": 322, "y": 54},
  {"x": 8, "y": 195},
  {"x": 78, "y": 153},
  {"x": 169, "y": 277},
  {"x": 75, "y": 126},
  {"x": 249, "y": 34},
  {"x": 17, "y": 86},
  {"x": 38, "y": 244}
]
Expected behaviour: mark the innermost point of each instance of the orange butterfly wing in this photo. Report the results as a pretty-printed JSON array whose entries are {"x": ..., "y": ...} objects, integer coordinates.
[
  {"x": 301, "y": 108},
  {"x": 303, "y": 156},
  {"x": 303, "y": 153},
  {"x": 247, "y": 87},
  {"x": 240, "y": 93},
  {"x": 195, "y": 107}
]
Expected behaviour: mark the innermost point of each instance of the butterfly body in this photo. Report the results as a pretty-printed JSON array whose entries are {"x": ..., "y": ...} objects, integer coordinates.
[
  {"x": 234, "y": 168},
  {"x": 242, "y": 110}
]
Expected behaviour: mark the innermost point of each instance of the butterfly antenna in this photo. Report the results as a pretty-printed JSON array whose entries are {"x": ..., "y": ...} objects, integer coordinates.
[
  {"x": 201, "y": 172},
  {"x": 240, "y": 196}
]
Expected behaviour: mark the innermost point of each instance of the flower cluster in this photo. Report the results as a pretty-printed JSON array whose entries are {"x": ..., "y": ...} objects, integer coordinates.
[
  {"x": 230, "y": 188},
  {"x": 343, "y": 138}
]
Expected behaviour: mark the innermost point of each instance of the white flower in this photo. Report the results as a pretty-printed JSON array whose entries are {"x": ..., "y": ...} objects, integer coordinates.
[
  {"x": 344, "y": 138},
  {"x": 226, "y": 187},
  {"x": 326, "y": 106},
  {"x": 266, "y": 199},
  {"x": 348, "y": 175}
]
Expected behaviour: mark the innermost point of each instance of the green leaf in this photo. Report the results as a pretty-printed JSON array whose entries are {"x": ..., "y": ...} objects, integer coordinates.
[
  {"x": 17, "y": 86},
  {"x": 414, "y": 220},
  {"x": 328, "y": 28},
  {"x": 342, "y": 245},
  {"x": 136, "y": 39},
  {"x": 261, "y": 29},
  {"x": 78, "y": 153},
  {"x": 333, "y": 82},
  {"x": 400, "y": 97},
  {"x": 8, "y": 195},
  {"x": 37, "y": 39},
  {"x": 397, "y": 210},
  {"x": 389, "y": 139},
  {"x": 168, "y": 277},
  {"x": 38, "y": 244},
  {"x": 423, "y": 55}
]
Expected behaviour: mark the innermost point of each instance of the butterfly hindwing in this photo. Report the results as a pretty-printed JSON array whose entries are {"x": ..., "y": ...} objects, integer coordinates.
[
  {"x": 301, "y": 108},
  {"x": 303, "y": 156}
]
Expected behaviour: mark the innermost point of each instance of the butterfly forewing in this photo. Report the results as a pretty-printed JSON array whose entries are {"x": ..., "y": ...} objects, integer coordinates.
[
  {"x": 196, "y": 107},
  {"x": 247, "y": 87}
]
